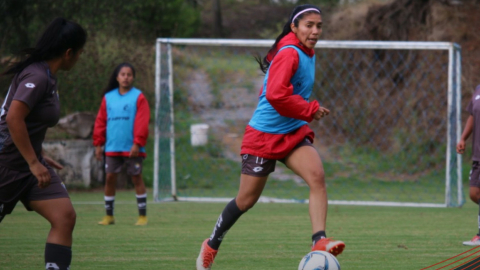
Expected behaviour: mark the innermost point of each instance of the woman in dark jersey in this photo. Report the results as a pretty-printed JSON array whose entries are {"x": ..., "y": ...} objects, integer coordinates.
[
  {"x": 279, "y": 130},
  {"x": 472, "y": 126},
  {"x": 30, "y": 108}
]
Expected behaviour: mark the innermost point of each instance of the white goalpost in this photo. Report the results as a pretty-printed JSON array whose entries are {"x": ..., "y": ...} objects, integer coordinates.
[{"x": 390, "y": 140}]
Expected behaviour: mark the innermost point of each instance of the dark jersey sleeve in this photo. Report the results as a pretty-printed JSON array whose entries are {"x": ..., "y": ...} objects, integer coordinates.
[{"x": 31, "y": 88}]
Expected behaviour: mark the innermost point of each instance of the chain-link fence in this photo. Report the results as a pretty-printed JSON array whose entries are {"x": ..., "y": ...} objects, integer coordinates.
[{"x": 389, "y": 140}]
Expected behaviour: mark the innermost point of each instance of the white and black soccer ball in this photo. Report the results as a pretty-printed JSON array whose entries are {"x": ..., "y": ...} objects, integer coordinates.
[{"x": 319, "y": 260}]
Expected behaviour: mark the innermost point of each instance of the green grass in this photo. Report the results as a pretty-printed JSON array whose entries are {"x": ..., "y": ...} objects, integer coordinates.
[{"x": 269, "y": 236}]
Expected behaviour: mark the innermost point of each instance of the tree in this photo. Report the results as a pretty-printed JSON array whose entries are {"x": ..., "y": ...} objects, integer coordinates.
[{"x": 217, "y": 24}]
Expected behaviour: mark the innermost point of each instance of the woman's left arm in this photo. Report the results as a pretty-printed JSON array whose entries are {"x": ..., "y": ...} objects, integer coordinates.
[{"x": 140, "y": 128}]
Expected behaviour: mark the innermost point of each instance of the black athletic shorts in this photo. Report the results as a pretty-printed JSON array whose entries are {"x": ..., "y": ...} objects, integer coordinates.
[
  {"x": 114, "y": 165},
  {"x": 23, "y": 186},
  {"x": 261, "y": 167},
  {"x": 475, "y": 175}
]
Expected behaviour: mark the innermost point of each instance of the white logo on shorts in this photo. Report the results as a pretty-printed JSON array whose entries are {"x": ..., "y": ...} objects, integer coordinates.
[
  {"x": 137, "y": 165},
  {"x": 29, "y": 85},
  {"x": 245, "y": 156},
  {"x": 477, "y": 97},
  {"x": 257, "y": 169}
]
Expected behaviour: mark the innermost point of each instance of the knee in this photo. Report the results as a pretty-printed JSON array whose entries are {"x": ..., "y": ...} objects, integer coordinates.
[
  {"x": 474, "y": 197},
  {"x": 474, "y": 194},
  {"x": 70, "y": 219},
  {"x": 137, "y": 180},
  {"x": 110, "y": 179},
  {"x": 316, "y": 180},
  {"x": 66, "y": 221},
  {"x": 244, "y": 204}
]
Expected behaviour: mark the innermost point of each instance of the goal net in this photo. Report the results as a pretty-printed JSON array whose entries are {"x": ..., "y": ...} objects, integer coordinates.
[{"x": 389, "y": 140}]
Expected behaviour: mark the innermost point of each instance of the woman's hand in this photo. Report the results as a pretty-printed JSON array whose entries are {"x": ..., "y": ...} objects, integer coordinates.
[
  {"x": 134, "y": 150},
  {"x": 41, "y": 173},
  {"x": 321, "y": 113},
  {"x": 98, "y": 153},
  {"x": 53, "y": 163},
  {"x": 461, "y": 146}
]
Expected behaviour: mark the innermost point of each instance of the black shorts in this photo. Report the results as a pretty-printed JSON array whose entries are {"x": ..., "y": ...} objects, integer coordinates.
[
  {"x": 261, "y": 167},
  {"x": 114, "y": 165},
  {"x": 23, "y": 186},
  {"x": 475, "y": 175}
]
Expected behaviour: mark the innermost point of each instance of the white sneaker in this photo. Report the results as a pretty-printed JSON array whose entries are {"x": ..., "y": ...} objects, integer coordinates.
[{"x": 474, "y": 242}]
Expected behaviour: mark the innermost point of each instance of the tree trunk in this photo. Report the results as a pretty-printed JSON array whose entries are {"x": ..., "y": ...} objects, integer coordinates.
[{"x": 217, "y": 12}]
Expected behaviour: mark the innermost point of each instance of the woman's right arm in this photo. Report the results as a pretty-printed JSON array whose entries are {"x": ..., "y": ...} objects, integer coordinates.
[
  {"x": 280, "y": 89},
  {"x": 466, "y": 133},
  {"x": 15, "y": 119},
  {"x": 100, "y": 130}
]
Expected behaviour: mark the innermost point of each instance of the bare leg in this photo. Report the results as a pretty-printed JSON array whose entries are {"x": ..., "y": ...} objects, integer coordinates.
[
  {"x": 110, "y": 183},
  {"x": 110, "y": 186},
  {"x": 475, "y": 194},
  {"x": 306, "y": 163},
  {"x": 62, "y": 218},
  {"x": 141, "y": 199},
  {"x": 139, "y": 184},
  {"x": 249, "y": 192}
]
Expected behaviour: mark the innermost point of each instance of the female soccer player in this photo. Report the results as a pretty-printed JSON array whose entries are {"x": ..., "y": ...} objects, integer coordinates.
[
  {"x": 122, "y": 127},
  {"x": 279, "y": 130},
  {"x": 30, "y": 107},
  {"x": 473, "y": 125}
]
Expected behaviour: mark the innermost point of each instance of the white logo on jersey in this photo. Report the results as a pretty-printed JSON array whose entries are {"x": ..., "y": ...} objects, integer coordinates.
[
  {"x": 29, "y": 85},
  {"x": 477, "y": 97},
  {"x": 257, "y": 169}
]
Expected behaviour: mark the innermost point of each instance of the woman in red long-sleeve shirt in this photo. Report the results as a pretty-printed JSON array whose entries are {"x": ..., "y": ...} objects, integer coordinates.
[
  {"x": 122, "y": 128},
  {"x": 279, "y": 130}
]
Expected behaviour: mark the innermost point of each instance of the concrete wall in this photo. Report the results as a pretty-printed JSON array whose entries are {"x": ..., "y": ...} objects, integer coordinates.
[{"x": 80, "y": 168}]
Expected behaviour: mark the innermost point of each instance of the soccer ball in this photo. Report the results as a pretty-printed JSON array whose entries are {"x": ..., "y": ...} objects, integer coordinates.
[{"x": 319, "y": 260}]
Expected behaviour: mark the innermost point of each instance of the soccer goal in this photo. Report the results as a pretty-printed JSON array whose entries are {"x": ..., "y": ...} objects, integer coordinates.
[{"x": 390, "y": 138}]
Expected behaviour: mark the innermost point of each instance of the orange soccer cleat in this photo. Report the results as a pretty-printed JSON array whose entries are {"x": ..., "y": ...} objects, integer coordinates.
[
  {"x": 206, "y": 256},
  {"x": 329, "y": 245}
]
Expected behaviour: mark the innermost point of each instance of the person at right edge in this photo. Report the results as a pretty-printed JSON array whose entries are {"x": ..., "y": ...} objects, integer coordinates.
[
  {"x": 473, "y": 125},
  {"x": 279, "y": 130}
]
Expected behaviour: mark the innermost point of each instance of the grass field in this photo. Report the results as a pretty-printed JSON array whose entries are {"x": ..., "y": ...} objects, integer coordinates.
[{"x": 269, "y": 236}]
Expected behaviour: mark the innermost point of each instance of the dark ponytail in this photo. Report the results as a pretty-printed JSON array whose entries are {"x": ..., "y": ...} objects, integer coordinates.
[
  {"x": 112, "y": 82},
  {"x": 265, "y": 63},
  {"x": 59, "y": 36}
]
